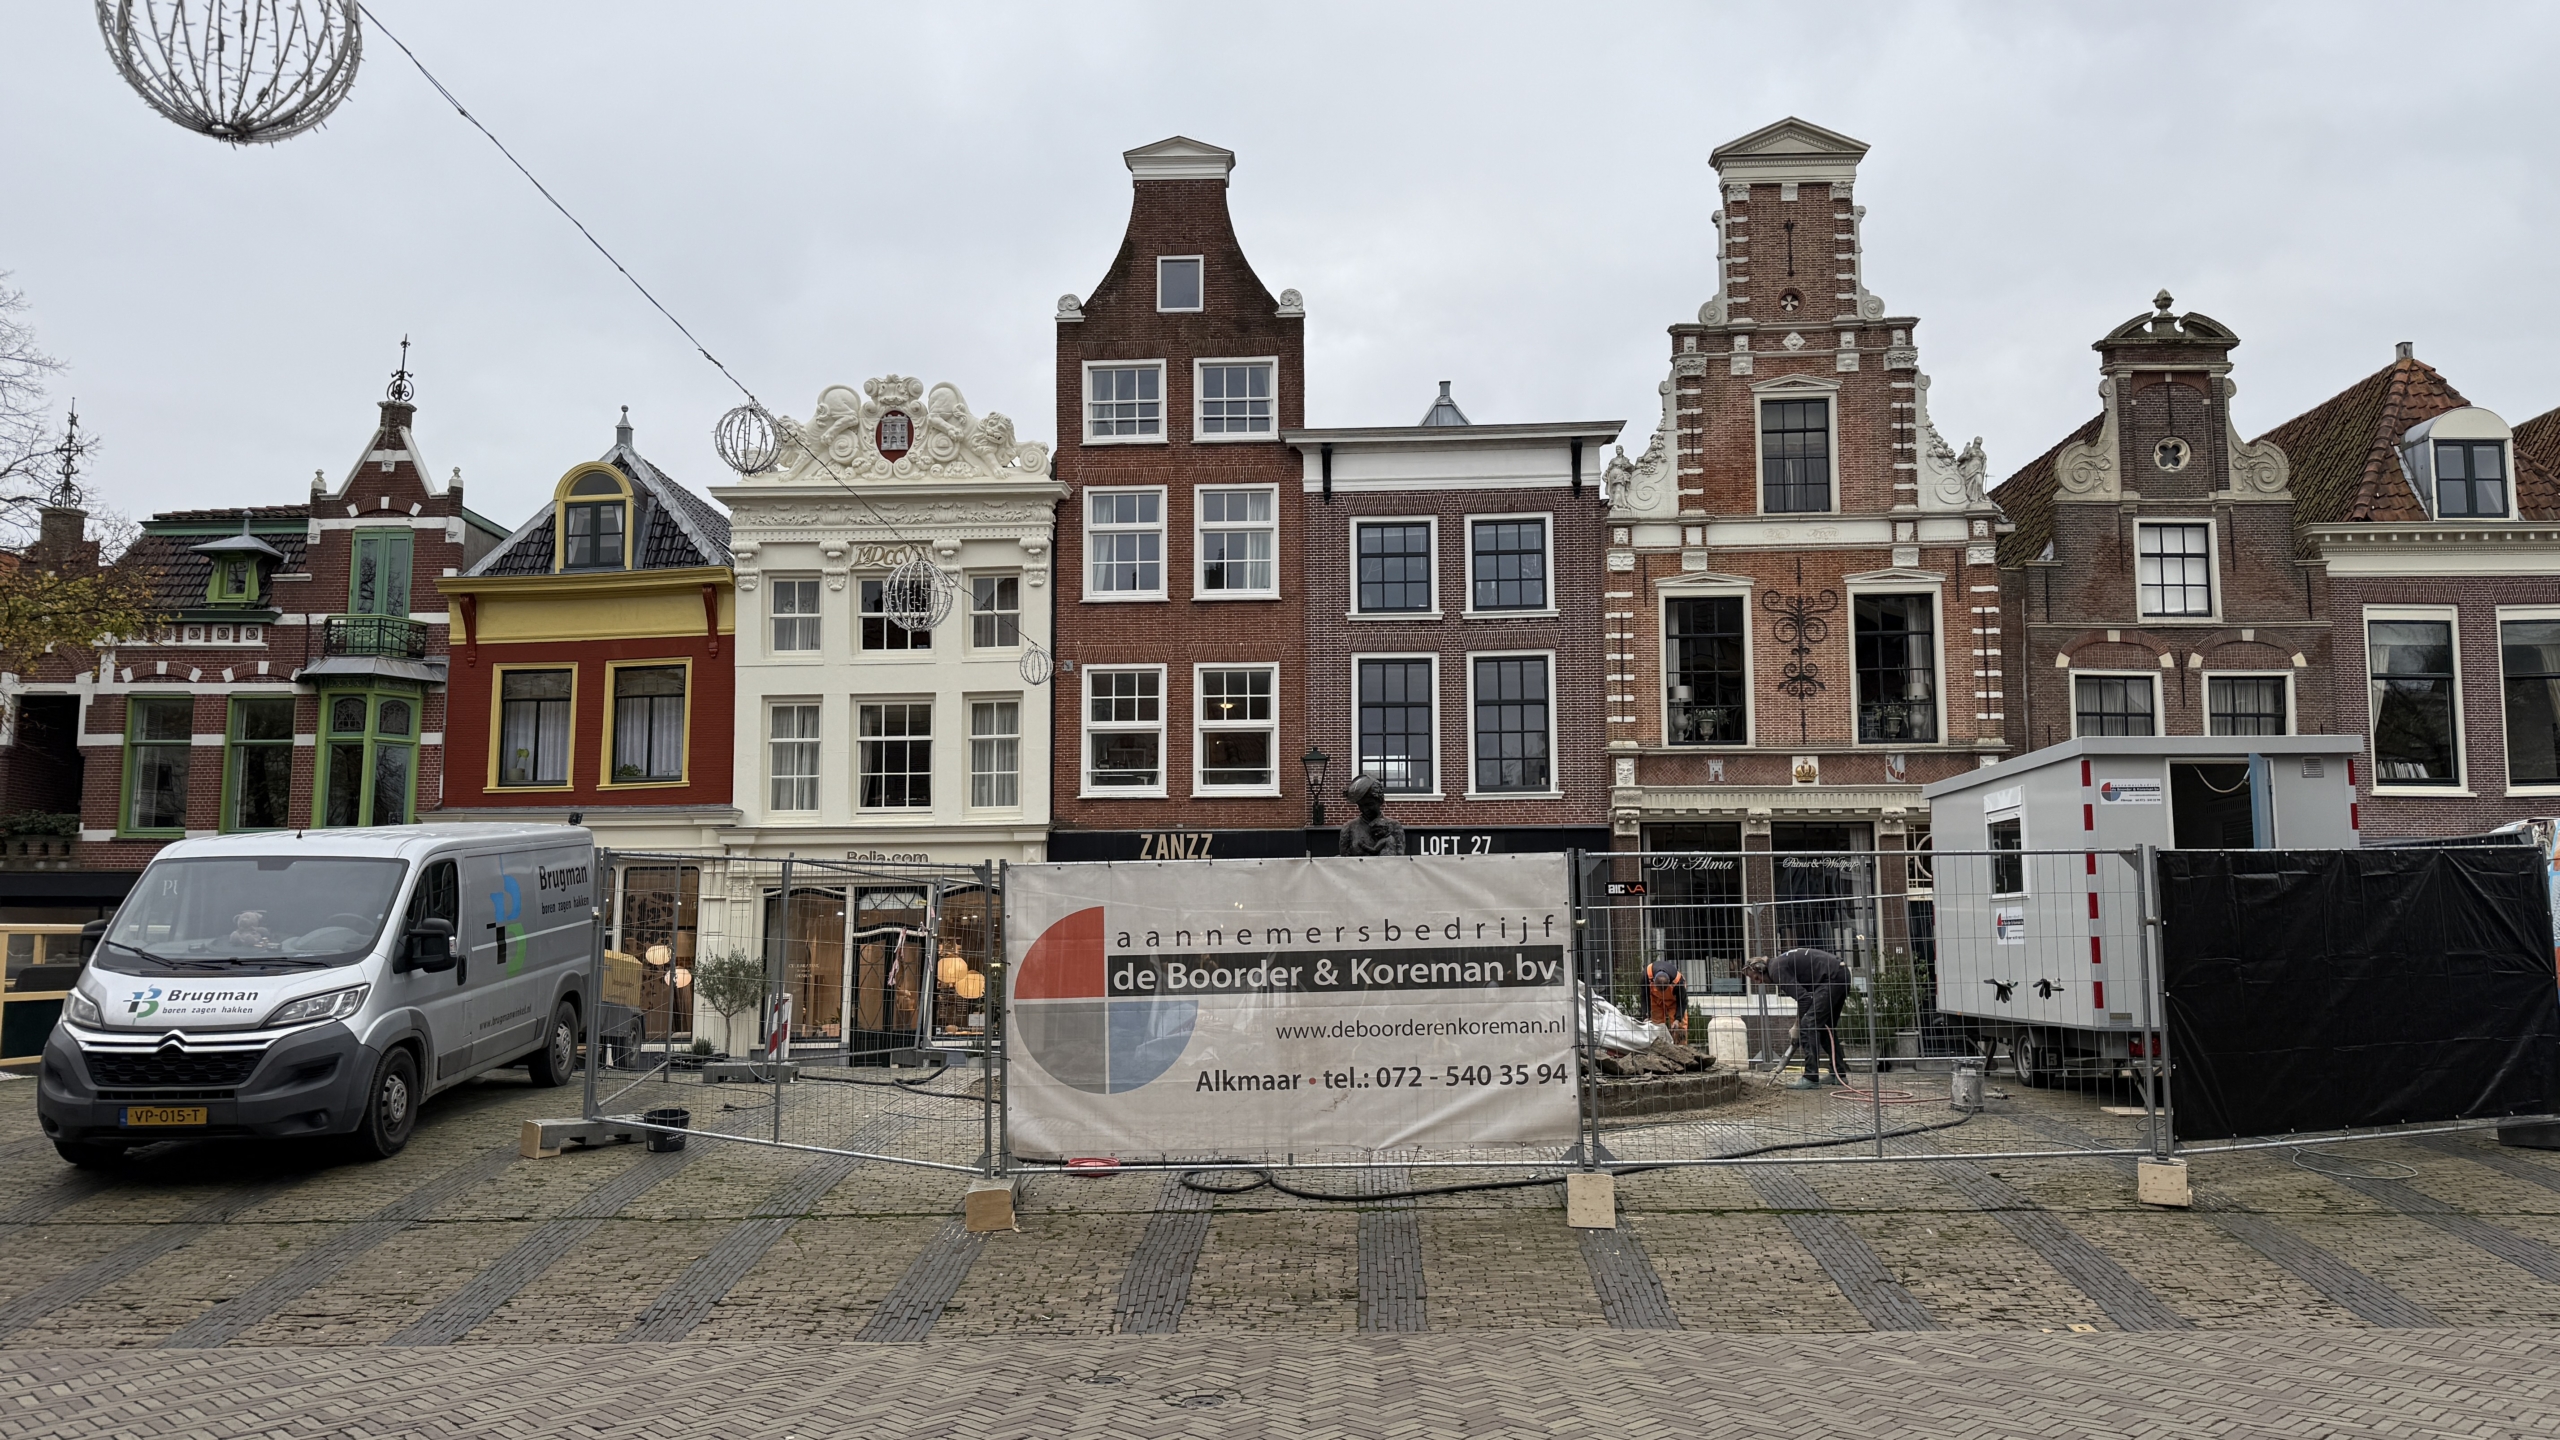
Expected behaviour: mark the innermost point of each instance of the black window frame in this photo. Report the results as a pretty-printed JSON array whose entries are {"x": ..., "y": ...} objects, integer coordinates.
[
  {"x": 1528, "y": 719},
  {"x": 1379, "y": 718},
  {"x": 2005, "y": 837},
  {"x": 909, "y": 786},
  {"x": 2406, "y": 698},
  {"x": 2122, "y": 716},
  {"x": 1795, "y": 456},
  {"x": 591, "y": 541},
  {"x": 2223, "y": 718},
  {"x": 1712, "y": 663},
  {"x": 1887, "y": 659},
  {"x": 1385, "y": 573},
  {"x": 2467, "y": 485},
  {"x": 2517, "y": 683},
  {"x": 1505, "y": 553}
]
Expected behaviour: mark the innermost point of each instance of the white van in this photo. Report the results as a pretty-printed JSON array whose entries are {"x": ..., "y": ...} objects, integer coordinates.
[{"x": 322, "y": 983}]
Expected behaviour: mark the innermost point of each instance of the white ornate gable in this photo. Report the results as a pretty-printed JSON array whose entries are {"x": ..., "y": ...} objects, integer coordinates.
[{"x": 842, "y": 440}]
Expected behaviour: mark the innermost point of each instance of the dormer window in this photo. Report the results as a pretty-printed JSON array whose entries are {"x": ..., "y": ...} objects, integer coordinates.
[
  {"x": 2459, "y": 465},
  {"x": 593, "y": 516}
]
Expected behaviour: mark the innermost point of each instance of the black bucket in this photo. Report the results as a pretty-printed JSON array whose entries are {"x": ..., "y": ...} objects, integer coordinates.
[{"x": 673, "y": 1119}]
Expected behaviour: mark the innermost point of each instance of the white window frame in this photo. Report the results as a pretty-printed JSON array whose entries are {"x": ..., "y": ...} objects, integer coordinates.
[
  {"x": 818, "y": 743},
  {"x": 1439, "y": 761},
  {"x": 2291, "y": 724},
  {"x": 1555, "y": 760},
  {"x": 969, "y": 610},
  {"x": 1200, "y": 434},
  {"x": 933, "y": 753},
  {"x": 1086, "y": 730},
  {"x": 1164, "y": 544},
  {"x": 2451, "y": 615},
  {"x": 2213, "y": 569},
  {"x": 1750, "y": 665},
  {"x": 1084, "y": 403},
  {"x": 969, "y": 709},
  {"x": 1936, "y": 590},
  {"x": 1351, "y": 537},
  {"x": 2159, "y": 716},
  {"x": 1199, "y": 550},
  {"x": 2504, "y": 614},
  {"x": 1201, "y": 725},
  {"x": 1467, "y": 539},
  {"x": 1793, "y": 387},
  {"x": 1162, "y": 308},
  {"x": 772, "y": 587}
]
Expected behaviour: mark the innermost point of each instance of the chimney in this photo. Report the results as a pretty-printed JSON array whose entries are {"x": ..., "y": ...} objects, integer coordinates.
[{"x": 2408, "y": 349}]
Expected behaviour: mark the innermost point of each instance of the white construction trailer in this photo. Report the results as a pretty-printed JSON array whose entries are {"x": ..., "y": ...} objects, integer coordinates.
[{"x": 2040, "y": 901}]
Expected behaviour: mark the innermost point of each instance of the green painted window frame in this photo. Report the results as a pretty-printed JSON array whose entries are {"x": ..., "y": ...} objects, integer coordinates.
[
  {"x": 243, "y": 566},
  {"x": 395, "y": 552},
  {"x": 235, "y": 746},
  {"x": 134, "y": 706},
  {"x": 369, "y": 742}
]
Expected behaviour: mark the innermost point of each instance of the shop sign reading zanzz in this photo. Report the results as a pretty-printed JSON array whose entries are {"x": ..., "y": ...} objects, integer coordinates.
[{"x": 1250, "y": 1008}]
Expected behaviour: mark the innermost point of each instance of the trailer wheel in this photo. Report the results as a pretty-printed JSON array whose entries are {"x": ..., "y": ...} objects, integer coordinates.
[
  {"x": 557, "y": 1060},
  {"x": 2035, "y": 1062}
]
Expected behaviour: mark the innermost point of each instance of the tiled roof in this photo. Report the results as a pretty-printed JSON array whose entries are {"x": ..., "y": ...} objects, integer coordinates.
[
  {"x": 2538, "y": 441},
  {"x": 672, "y": 528},
  {"x": 181, "y": 576},
  {"x": 231, "y": 514},
  {"x": 2345, "y": 457},
  {"x": 2027, "y": 499}
]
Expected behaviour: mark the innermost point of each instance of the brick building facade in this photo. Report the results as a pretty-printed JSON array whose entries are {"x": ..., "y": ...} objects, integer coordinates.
[
  {"x": 1452, "y": 580},
  {"x": 1179, "y": 699},
  {"x": 1801, "y": 611}
]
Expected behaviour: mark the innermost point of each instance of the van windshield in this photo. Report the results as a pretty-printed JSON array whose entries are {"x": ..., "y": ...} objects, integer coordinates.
[{"x": 253, "y": 911}]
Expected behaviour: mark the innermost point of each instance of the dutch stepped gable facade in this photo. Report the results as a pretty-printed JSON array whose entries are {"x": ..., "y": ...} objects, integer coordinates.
[{"x": 1801, "y": 610}]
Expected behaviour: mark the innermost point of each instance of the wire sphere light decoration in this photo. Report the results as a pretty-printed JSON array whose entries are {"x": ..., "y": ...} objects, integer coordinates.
[
  {"x": 917, "y": 595},
  {"x": 246, "y": 72},
  {"x": 1036, "y": 665},
  {"x": 747, "y": 440}
]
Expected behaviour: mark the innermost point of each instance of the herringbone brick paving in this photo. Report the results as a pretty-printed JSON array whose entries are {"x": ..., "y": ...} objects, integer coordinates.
[{"x": 1112, "y": 1299}]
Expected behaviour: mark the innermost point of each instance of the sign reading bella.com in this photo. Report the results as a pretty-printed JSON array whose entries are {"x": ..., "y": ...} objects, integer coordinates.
[{"x": 1261, "y": 1008}]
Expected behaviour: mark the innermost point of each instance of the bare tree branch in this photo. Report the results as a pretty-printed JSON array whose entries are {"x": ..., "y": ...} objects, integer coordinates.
[{"x": 25, "y": 438}]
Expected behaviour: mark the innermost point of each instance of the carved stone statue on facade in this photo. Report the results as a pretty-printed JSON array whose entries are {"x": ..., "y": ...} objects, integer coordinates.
[{"x": 1370, "y": 832}]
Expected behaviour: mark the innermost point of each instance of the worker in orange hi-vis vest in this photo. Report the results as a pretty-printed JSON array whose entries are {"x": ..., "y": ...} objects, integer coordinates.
[{"x": 1666, "y": 996}]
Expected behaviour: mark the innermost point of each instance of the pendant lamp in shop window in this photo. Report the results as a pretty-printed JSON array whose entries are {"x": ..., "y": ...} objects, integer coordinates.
[
  {"x": 971, "y": 984},
  {"x": 951, "y": 967}
]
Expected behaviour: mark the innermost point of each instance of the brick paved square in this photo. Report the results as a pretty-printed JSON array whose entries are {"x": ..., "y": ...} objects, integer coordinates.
[
  {"x": 1292, "y": 1270},
  {"x": 1741, "y": 1272}
]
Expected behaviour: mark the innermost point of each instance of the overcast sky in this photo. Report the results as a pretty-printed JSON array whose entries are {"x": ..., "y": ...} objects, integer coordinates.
[{"x": 1511, "y": 197}]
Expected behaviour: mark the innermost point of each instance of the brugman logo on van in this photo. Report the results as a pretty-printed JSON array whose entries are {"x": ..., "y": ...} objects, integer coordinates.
[
  {"x": 546, "y": 880},
  {"x": 508, "y": 901},
  {"x": 144, "y": 1004}
]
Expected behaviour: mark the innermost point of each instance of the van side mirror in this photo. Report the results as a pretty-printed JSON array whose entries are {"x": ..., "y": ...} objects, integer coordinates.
[
  {"x": 90, "y": 935},
  {"x": 428, "y": 946}
]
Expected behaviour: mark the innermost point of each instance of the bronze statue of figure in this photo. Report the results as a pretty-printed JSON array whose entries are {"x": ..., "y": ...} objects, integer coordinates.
[{"x": 1370, "y": 832}]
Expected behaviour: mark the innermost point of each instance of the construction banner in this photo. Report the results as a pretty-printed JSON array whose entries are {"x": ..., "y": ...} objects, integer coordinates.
[{"x": 1265, "y": 1008}]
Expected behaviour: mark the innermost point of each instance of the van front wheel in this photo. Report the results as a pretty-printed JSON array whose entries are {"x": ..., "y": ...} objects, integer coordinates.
[
  {"x": 557, "y": 1060},
  {"x": 391, "y": 1107}
]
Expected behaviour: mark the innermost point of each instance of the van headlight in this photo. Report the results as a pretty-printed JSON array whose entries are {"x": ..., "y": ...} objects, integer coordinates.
[
  {"x": 82, "y": 1010},
  {"x": 334, "y": 1005}
]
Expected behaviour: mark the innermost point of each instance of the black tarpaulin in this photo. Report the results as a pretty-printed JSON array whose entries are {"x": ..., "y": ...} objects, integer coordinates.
[{"x": 2328, "y": 989}]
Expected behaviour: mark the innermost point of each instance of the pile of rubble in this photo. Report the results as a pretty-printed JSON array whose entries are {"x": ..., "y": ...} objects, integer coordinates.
[{"x": 1665, "y": 1056}]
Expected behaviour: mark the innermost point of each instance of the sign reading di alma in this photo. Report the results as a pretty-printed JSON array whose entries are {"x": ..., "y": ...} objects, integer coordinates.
[{"x": 1271, "y": 1007}]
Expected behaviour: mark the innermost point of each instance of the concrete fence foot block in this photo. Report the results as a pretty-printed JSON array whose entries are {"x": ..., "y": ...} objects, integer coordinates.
[
  {"x": 988, "y": 1206},
  {"x": 2163, "y": 1182},
  {"x": 542, "y": 1139},
  {"x": 1591, "y": 1200},
  {"x": 2545, "y": 1136}
]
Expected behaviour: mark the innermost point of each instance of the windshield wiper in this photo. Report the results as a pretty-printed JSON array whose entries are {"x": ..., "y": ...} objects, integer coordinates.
[{"x": 172, "y": 961}]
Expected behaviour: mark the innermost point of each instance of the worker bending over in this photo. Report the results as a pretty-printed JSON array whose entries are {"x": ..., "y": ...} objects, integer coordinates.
[{"x": 1819, "y": 984}]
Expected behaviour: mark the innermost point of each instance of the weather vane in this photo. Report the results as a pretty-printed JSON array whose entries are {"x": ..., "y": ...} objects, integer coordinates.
[
  {"x": 401, "y": 390},
  {"x": 67, "y": 457}
]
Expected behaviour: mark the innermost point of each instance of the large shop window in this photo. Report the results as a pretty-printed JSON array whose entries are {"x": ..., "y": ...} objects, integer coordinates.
[
  {"x": 2112, "y": 705},
  {"x": 2414, "y": 718},
  {"x": 897, "y": 754},
  {"x": 794, "y": 755},
  {"x": 795, "y": 616},
  {"x": 1709, "y": 688},
  {"x": 2174, "y": 569},
  {"x": 1124, "y": 542},
  {"x": 1124, "y": 731},
  {"x": 648, "y": 724},
  {"x": 1124, "y": 402},
  {"x": 1513, "y": 744},
  {"x": 1395, "y": 568},
  {"x": 1897, "y": 668},
  {"x": 1235, "y": 399},
  {"x": 995, "y": 754},
  {"x": 1795, "y": 456},
  {"x": 368, "y": 759},
  {"x": 533, "y": 726},
  {"x": 1238, "y": 538},
  {"x": 158, "y": 735},
  {"x": 2245, "y": 705},
  {"x": 2471, "y": 479},
  {"x": 1396, "y": 725},
  {"x": 879, "y": 632},
  {"x": 1239, "y": 728},
  {"x": 379, "y": 581},
  {"x": 1507, "y": 560},
  {"x": 662, "y": 905},
  {"x": 2529, "y": 664},
  {"x": 995, "y": 612},
  {"x": 260, "y": 782}
]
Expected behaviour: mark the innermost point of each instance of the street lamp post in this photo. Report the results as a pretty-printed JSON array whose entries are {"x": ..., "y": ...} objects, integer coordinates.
[{"x": 1315, "y": 761}]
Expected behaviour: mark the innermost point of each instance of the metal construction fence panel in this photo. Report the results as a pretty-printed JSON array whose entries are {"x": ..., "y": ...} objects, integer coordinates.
[{"x": 833, "y": 1005}]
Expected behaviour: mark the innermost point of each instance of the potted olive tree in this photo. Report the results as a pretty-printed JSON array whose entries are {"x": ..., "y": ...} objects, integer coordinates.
[{"x": 731, "y": 985}]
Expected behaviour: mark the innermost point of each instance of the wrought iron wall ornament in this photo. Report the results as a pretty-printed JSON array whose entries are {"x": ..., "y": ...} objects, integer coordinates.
[
  {"x": 1800, "y": 622},
  {"x": 246, "y": 72}
]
